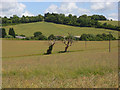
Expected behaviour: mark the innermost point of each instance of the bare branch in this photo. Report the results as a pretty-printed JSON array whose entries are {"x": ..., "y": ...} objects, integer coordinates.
[
  {"x": 65, "y": 42},
  {"x": 68, "y": 41},
  {"x": 51, "y": 42}
]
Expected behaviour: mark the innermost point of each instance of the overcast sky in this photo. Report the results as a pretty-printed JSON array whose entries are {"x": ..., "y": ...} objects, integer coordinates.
[{"x": 108, "y": 9}]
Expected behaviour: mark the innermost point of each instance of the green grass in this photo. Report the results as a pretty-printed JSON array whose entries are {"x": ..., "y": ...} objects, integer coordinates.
[
  {"x": 56, "y": 29},
  {"x": 110, "y": 22},
  {"x": 24, "y": 66}
]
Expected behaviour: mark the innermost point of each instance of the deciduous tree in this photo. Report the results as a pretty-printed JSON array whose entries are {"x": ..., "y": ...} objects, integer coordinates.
[
  {"x": 12, "y": 32},
  {"x": 68, "y": 41}
]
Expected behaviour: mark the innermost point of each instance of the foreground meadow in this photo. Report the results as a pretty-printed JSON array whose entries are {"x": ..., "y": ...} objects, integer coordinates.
[{"x": 25, "y": 66}]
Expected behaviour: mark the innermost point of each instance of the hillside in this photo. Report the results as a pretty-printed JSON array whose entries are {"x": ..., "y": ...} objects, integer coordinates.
[
  {"x": 56, "y": 29},
  {"x": 110, "y": 22}
]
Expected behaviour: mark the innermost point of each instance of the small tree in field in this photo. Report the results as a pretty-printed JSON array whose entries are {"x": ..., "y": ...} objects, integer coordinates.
[
  {"x": 51, "y": 37},
  {"x": 12, "y": 32},
  {"x": 52, "y": 43},
  {"x": 68, "y": 42},
  {"x": 36, "y": 34},
  {"x": 3, "y": 33}
]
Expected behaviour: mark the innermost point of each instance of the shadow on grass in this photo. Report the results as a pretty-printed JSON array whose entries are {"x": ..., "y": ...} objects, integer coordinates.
[
  {"x": 46, "y": 53},
  {"x": 61, "y": 52},
  {"x": 42, "y": 54},
  {"x": 69, "y": 51}
]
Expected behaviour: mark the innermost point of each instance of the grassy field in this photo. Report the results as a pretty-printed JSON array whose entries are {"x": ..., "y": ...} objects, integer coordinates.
[
  {"x": 110, "y": 22},
  {"x": 25, "y": 66},
  {"x": 56, "y": 29}
]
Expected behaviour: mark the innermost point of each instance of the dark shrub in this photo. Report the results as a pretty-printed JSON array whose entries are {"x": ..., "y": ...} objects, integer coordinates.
[
  {"x": 51, "y": 37},
  {"x": 2, "y": 32},
  {"x": 12, "y": 32},
  {"x": 37, "y": 34},
  {"x": 59, "y": 38},
  {"x": 22, "y": 35}
]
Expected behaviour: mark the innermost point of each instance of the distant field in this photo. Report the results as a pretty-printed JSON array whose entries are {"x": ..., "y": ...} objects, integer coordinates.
[
  {"x": 56, "y": 29},
  {"x": 25, "y": 66},
  {"x": 110, "y": 22}
]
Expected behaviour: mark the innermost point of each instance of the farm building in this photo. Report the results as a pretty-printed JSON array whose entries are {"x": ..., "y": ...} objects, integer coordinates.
[
  {"x": 77, "y": 36},
  {"x": 20, "y": 37}
]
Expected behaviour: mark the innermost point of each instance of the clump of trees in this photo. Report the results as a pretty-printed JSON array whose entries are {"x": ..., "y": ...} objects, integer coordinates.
[
  {"x": 107, "y": 26},
  {"x": 81, "y": 21},
  {"x": 39, "y": 36},
  {"x": 24, "y": 19},
  {"x": 83, "y": 37},
  {"x": 98, "y": 17},
  {"x": 98, "y": 37},
  {"x": 51, "y": 37},
  {"x": 11, "y": 33},
  {"x": 73, "y": 20}
]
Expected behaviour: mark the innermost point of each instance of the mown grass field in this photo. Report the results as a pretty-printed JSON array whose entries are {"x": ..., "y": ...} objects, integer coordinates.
[
  {"x": 25, "y": 66},
  {"x": 110, "y": 22},
  {"x": 57, "y": 29}
]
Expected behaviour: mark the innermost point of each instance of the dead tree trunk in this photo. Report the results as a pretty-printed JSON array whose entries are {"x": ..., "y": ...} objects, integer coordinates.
[
  {"x": 68, "y": 42},
  {"x": 49, "y": 51},
  {"x": 66, "y": 48}
]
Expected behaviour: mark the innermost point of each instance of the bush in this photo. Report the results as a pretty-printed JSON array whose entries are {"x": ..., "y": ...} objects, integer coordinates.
[
  {"x": 40, "y": 37},
  {"x": 9, "y": 36},
  {"x": 59, "y": 38},
  {"x": 76, "y": 38},
  {"x": 51, "y": 37},
  {"x": 69, "y": 37},
  {"x": 37, "y": 34},
  {"x": 85, "y": 37},
  {"x": 98, "y": 37},
  {"x": 27, "y": 38}
]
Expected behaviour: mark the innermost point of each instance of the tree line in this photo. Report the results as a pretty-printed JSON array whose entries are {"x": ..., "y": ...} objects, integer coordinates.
[
  {"x": 81, "y": 21},
  {"x": 72, "y": 20},
  {"x": 39, "y": 36},
  {"x": 24, "y": 19}
]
